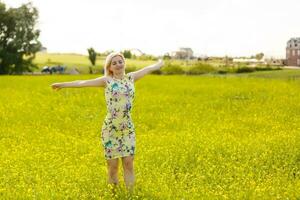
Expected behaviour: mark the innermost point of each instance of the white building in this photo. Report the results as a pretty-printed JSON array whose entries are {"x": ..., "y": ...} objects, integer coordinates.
[{"x": 182, "y": 53}]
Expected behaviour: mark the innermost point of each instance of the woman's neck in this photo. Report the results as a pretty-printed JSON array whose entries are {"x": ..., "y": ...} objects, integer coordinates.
[{"x": 118, "y": 76}]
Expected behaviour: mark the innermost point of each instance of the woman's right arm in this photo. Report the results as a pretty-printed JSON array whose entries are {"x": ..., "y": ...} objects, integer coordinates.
[{"x": 97, "y": 82}]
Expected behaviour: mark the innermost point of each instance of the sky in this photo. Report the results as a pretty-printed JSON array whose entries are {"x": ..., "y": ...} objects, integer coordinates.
[{"x": 208, "y": 27}]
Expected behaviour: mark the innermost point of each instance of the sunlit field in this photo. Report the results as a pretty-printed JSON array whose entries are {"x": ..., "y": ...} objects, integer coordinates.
[
  {"x": 198, "y": 137},
  {"x": 81, "y": 62}
]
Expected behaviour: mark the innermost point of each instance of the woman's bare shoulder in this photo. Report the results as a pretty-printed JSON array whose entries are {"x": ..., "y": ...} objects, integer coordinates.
[
  {"x": 100, "y": 81},
  {"x": 130, "y": 76},
  {"x": 107, "y": 78}
]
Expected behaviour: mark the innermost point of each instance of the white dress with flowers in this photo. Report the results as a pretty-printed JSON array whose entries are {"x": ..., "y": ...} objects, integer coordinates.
[{"x": 118, "y": 134}]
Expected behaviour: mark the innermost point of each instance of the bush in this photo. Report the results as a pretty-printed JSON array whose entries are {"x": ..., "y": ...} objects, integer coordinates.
[
  {"x": 200, "y": 68},
  {"x": 156, "y": 72},
  {"x": 172, "y": 69},
  {"x": 245, "y": 69},
  {"x": 222, "y": 71},
  {"x": 267, "y": 68}
]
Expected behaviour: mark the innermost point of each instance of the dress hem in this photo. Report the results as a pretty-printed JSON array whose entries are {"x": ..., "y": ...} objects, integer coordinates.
[{"x": 119, "y": 156}]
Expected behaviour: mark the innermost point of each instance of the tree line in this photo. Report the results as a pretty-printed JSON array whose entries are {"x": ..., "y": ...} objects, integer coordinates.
[{"x": 18, "y": 38}]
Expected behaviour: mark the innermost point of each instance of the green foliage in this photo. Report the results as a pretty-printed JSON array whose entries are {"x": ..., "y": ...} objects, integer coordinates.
[
  {"x": 92, "y": 55},
  {"x": 245, "y": 69},
  {"x": 156, "y": 72},
  {"x": 167, "y": 56},
  {"x": 200, "y": 68},
  {"x": 222, "y": 71},
  {"x": 259, "y": 56},
  {"x": 170, "y": 68},
  {"x": 267, "y": 68},
  {"x": 127, "y": 53},
  {"x": 81, "y": 62},
  {"x": 18, "y": 38},
  {"x": 92, "y": 58}
]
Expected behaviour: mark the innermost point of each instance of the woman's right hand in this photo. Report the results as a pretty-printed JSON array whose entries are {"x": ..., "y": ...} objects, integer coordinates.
[{"x": 56, "y": 86}]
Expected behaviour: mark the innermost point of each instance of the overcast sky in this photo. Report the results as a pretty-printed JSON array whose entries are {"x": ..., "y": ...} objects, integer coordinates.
[{"x": 209, "y": 27}]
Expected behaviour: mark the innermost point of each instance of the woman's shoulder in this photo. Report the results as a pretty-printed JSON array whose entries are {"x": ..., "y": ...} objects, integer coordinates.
[
  {"x": 130, "y": 76},
  {"x": 108, "y": 80}
]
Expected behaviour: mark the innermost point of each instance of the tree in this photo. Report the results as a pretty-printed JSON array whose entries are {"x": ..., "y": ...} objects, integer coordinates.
[
  {"x": 92, "y": 57},
  {"x": 18, "y": 38},
  {"x": 259, "y": 56},
  {"x": 166, "y": 56},
  {"x": 127, "y": 53}
]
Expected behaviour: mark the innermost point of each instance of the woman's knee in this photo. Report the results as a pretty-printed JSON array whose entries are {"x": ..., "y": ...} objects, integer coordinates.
[
  {"x": 128, "y": 163},
  {"x": 113, "y": 167}
]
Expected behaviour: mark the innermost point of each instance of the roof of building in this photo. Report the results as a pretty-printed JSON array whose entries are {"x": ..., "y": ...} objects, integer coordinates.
[
  {"x": 294, "y": 42},
  {"x": 185, "y": 49}
]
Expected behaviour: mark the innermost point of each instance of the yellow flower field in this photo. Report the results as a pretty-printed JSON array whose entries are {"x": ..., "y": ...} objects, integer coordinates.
[{"x": 198, "y": 137}]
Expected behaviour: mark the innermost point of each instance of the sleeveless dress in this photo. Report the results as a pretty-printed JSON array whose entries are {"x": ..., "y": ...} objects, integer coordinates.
[{"x": 118, "y": 132}]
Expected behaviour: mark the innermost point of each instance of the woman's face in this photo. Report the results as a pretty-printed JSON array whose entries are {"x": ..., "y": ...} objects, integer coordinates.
[{"x": 117, "y": 65}]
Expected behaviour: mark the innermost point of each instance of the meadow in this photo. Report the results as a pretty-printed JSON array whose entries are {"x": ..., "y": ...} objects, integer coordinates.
[
  {"x": 81, "y": 62},
  {"x": 171, "y": 66},
  {"x": 198, "y": 137}
]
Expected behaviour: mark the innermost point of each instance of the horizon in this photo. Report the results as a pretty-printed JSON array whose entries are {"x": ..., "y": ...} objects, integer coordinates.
[{"x": 229, "y": 28}]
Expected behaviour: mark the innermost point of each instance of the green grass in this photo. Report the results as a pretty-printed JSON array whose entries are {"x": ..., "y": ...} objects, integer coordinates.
[
  {"x": 64, "y": 59},
  {"x": 198, "y": 137},
  {"x": 287, "y": 74},
  {"x": 80, "y": 62}
]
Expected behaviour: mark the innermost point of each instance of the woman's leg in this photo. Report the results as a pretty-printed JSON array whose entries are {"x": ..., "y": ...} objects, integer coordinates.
[
  {"x": 112, "y": 166},
  {"x": 128, "y": 172}
]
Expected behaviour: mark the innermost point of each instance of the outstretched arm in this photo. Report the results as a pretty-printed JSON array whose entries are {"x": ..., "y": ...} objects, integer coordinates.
[
  {"x": 97, "y": 82},
  {"x": 146, "y": 70}
]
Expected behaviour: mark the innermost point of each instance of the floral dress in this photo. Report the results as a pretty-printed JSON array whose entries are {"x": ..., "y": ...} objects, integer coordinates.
[{"x": 118, "y": 133}]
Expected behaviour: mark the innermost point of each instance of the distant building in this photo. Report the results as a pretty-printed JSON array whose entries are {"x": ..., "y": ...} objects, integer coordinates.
[
  {"x": 293, "y": 52},
  {"x": 182, "y": 53},
  {"x": 275, "y": 61},
  {"x": 203, "y": 57},
  {"x": 248, "y": 60}
]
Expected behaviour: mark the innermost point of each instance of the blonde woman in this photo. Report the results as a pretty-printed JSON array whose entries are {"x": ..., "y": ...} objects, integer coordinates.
[{"x": 118, "y": 132}]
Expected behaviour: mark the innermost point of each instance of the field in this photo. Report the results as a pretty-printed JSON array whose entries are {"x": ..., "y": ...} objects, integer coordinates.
[
  {"x": 80, "y": 62},
  {"x": 198, "y": 137},
  {"x": 172, "y": 66}
]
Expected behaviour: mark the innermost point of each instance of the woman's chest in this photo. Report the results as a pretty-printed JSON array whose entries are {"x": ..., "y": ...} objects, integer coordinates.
[{"x": 120, "y": 89}]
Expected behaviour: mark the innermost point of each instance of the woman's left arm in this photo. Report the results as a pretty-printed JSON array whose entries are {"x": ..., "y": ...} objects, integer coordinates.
[{"x": 146, "y": 70}]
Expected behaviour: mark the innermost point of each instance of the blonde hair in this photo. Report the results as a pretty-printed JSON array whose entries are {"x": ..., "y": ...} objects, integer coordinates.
[{"x": 108, "y": 60}]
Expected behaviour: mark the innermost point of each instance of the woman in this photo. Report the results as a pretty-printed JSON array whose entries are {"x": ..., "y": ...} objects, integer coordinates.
[{"x": 118, "y": 132}]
